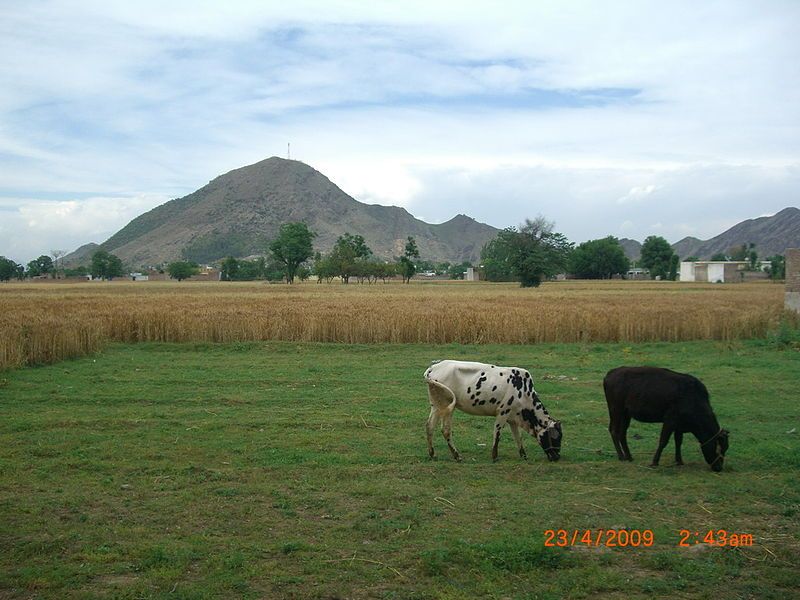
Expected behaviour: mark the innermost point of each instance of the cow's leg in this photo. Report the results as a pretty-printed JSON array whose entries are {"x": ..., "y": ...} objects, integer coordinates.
[
  {"x": 430, "y": 427},
  {"x": 678, "y": 441},
  {"x": 498, "y": 427},
  {"x": 517, "y": 439},
  {"x": 615, "y": 429},
  {"x": 666, "y": 431},
  {"x": 623, "y": 436},
  {"x": 443, "y": 403},
  {"x": 447, "y": 424}
]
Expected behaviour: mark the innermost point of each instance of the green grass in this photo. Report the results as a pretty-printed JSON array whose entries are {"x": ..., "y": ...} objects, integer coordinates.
[{"x": 286, "y": 470}]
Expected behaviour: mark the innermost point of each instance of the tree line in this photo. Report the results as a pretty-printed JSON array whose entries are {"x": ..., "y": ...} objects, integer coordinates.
[{"x": 529, "y": 254}]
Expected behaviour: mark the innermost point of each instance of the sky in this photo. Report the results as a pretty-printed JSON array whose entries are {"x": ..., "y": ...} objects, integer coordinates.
[{"x": 625, "y": 118}]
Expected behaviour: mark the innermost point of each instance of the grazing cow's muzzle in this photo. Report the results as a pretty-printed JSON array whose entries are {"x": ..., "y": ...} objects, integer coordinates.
[
  {"x": 551, "y": 441},
  {"x": 714, "y": 450}
]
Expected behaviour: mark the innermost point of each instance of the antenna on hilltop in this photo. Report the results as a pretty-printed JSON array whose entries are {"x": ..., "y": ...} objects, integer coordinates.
[{"x": 289, "y": 151}]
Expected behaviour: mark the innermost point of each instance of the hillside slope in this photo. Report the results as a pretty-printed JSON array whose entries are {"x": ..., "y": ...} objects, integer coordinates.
[{"x": 239, "y": 212}]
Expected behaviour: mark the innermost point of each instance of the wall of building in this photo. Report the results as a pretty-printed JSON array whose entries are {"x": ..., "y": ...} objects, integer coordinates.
[{"x": 792, "y": 301}]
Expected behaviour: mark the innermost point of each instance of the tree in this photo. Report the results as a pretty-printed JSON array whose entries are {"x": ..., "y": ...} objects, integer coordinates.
[
  {"x": 292, "y": 247},
  {"x": 406, "y": 264},
  {"x": 182, "y": 269},
  {"x": 8, "y": 268},
  {"x": 657, "y": 257},
  {"x": 229, "y": 269},
  {"x": 57, "y": 254},
  {"x": 777, "y": 267},
  {"x": 348, "y": 251},
  {"x": 496, "y": 256},
  {"x": 599, "y": 259},
  {"x": 457, "y": 271},
  {"x": 752, "y": 259},
  {"x": 528, "y": 254},
  {"x": 40, "y": 266},
  {"x": 105, "y": 265},
  {"x": 719, "y": 256}
]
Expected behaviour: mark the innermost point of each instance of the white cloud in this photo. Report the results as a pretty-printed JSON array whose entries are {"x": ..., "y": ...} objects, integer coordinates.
[
  {"x": 594, "y": 115},
  {"x": 31, "y": 228}
]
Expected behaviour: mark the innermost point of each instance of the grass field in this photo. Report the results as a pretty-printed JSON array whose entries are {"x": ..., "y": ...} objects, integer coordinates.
[
  {"x": 44, "y": 323},
  {"x": 299, "y": 470}
]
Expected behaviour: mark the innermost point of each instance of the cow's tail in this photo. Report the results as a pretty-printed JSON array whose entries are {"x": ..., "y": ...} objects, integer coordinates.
[{"x": 442, "y": 397}]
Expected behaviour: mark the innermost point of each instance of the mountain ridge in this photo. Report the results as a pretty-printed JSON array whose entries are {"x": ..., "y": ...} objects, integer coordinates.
[{"x": 237, "y": 213}]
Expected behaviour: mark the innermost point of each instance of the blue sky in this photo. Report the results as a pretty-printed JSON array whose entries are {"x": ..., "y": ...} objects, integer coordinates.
[{"x": 614, "y": 118}]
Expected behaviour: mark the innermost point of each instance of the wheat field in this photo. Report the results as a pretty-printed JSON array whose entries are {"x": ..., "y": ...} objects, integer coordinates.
[{"x": 47, "y": 322}]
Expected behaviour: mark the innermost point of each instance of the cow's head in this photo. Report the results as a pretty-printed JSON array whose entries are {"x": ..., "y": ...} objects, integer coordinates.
[
  {"x": 714, "y": 450},
  {"x": 550, "y": 440}
]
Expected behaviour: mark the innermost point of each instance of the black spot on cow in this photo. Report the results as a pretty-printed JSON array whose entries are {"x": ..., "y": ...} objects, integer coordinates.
[
  {"x": 477, "y": 393},
  {"x": 510, "y": 400},
  {"x": 472, "y": 397},
  {"x": 527, "y": 374},
  {"x": 482, "y": 402},
  {"x": 483, "y": 373},
  {"x": 494, "y": 388},
  {"x": 529, "y": 416},
  {"x": 469, "y": 390},
  {"x": 520, "y": 394},
  {"x": 492, "y": 400}
]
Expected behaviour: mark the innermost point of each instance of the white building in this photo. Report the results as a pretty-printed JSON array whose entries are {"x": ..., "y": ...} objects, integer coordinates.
[{"x": 718, "y": 271}]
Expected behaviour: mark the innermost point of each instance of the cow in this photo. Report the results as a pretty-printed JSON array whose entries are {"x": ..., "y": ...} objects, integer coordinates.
[
  {"x": 505, "y": 393},
  {"x": 655, "y": 395}
]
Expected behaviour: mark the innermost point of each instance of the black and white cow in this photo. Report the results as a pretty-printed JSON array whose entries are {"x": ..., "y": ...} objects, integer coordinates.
[
  {"x": 655, "y": 395},
  {"x": 505, "y": 393}
]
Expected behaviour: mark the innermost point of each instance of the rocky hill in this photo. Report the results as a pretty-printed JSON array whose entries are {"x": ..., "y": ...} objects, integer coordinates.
[
  {"x": 771, "y": 235},
  {"x": 239, "y": 212}
]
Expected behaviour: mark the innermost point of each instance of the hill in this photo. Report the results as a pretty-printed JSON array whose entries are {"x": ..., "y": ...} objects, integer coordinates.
[
  {"x": 239, "y": 212},
  {"x": 771, "y": 235}
]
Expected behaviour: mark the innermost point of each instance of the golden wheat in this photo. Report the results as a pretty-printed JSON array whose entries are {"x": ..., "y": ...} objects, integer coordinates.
[{"x": 43, "y": 323}]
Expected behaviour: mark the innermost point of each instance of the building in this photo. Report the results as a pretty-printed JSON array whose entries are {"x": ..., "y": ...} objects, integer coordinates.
[{"x": 721, "y": 271}]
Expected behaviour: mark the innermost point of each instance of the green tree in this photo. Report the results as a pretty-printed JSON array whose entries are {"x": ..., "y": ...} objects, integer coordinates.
[
  {"x": 599, "y": 259},
  {"x": 8, "y": 268},
  {"x": 348, "y": 251},
  {"x": 324, "y": 268},
  {"x": 105, "y": 265},
  {"x": 182, "y": 269},
  {"x": 719, "y": 256},
  {"x": 752, "y": 259},
  {"x": 657, "y": 257},
  {"x": 457, "y": 271},
  {"x": 41, "y": 266},
  {"x": 406, "y": 264},
  {"x": 292, "y": 247},
  {"x": 529, "y": 254},
  {"x": 229, "y": 269},
  {"x": 777, "y": 267},
  {"x": 496, "y": 256}
]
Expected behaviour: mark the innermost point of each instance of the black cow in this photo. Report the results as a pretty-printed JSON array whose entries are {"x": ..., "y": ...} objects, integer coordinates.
[{"x": 654, "y": 395}]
